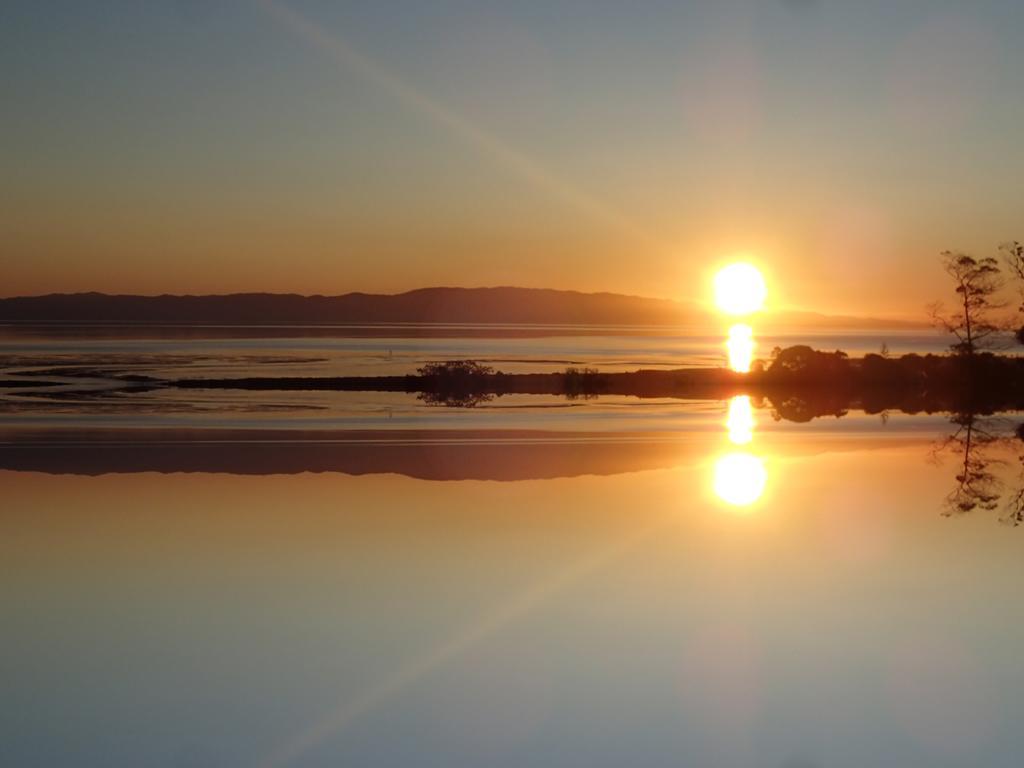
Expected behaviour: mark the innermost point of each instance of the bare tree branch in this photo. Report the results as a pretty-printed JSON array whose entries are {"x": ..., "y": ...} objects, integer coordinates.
[{"x": 977, "y": 282}]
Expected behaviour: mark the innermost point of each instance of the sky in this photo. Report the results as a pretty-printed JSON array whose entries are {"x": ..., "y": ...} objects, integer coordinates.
[{"x": 324, "y": 147}]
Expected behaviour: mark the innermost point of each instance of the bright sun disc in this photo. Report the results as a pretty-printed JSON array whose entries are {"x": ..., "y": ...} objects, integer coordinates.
[
  {"x": 740, "y": 479},
  {"x": 740, "y": 289}
]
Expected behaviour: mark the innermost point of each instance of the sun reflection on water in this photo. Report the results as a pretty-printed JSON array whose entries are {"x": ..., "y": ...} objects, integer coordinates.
[
  {"x": 740, "y": 477},
  {"x": 740, "y": 421},
  {"x": 740, "y": 346}
]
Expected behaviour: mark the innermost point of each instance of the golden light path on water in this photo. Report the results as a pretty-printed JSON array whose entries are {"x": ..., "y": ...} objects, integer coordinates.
[
  {"x": 740, "y": 346},
  {"x": 740, "y": 290},
  {"x": 740, "y": 420},
  {"x": 740, "y": 477}
]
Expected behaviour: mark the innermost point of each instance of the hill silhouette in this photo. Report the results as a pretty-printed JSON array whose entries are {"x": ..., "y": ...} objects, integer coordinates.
[{"x": 425, "y": 305}]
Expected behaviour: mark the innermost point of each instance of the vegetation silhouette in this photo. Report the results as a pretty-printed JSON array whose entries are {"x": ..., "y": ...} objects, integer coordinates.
[
  {"x": 982, "y": 445},
  {"x": 977, "y": 485},
  {"x": 1013, "y": 257},
  {"x": 455, "y": 399},
  {"x": 581, "y": 383},
  {"x": 977, "y": 281},
  {"x": 454, "y": 383},
  {"x": 801, "y": 383}
]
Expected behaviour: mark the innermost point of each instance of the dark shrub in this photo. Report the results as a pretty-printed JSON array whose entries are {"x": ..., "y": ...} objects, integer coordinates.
[
  {"x": 582, "y": 382},
  {"x": 809, "y": 364},
  {"x": 456, "y": 383},
  {"x": 455, "y": 369}
]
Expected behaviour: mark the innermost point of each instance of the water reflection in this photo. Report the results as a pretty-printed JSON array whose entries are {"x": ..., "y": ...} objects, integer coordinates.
[
  {"x": 740, "y": 421},
  {"x": 740, "y": 347},
  {"x": 740, "y": 476},
  {"x": 983, "y": 446},
  {"x": 463, "y": 623},
  {"x": 740, "y": 479}
]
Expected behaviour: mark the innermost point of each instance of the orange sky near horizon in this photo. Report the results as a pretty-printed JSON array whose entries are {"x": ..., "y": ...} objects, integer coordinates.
[
  {"x": 179, "y": 263},
  {"x": 287, "y": 148}
]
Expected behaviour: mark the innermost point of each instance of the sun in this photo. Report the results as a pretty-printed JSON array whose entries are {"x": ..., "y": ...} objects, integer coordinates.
[
  {"x": 740, "y": 479},
  {"x": 740, "y": 289}
]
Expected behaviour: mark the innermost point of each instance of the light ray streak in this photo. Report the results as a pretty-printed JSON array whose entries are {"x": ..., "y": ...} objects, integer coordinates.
[
  {"x": 515, "y": 608},
  {"x": 486, "y": 142}
]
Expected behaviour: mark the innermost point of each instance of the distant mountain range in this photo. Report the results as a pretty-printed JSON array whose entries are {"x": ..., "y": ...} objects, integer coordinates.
[{"x": 425, "y": 305}]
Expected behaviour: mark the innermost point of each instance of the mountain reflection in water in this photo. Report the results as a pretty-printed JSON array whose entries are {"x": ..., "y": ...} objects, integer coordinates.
[
  {"x": 339, "y": 604},
  {"x": 983, "y": 455}
]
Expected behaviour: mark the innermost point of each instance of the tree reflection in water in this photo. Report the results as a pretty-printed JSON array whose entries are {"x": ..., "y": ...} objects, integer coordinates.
[
  {"x": 456, "y": 399},
  {"x": 979, "y": 443}
]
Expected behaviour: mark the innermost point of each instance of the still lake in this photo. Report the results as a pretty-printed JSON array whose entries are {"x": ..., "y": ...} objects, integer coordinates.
[
  {"x": 359, "y": 579},
  {"x": 373, "y": 350},
  {"x": 86, "y": 362}
]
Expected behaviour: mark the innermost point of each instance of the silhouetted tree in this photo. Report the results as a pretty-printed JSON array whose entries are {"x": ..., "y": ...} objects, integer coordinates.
[
  {"x": 808, "y": 364},
  {"x": 450, "y": 399},
  {"x": 977, "y": 283},
  {"x": 1013, "y": 258},
  {"x": 456, "y": 383},
  {"x": 582, "y": 383},
  {"x": 808, "y": 406},
  {"x": 980, "y": 443},
  {"x": 1013, "y": 510},
  {"x": 455, "y": 370},
  {"x": 977, "y": 486}
]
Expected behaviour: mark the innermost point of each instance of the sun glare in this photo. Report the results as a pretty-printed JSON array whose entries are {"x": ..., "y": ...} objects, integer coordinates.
[
  {"x": 740, "y": 346},
  {"x": 740, "y": 421},
  {"x": 740, "y": 289},
  {"x": 740, "y": 479}
]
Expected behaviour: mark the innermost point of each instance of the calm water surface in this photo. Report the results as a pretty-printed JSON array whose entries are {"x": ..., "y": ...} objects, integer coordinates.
[
  {"x": 601, "y": 583},
  {"x": 396, "y": 349},
  {"x": 88, "y": 365}
]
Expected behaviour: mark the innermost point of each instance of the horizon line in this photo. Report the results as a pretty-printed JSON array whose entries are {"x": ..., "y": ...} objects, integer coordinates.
[{"x": 683, "y": 303}]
